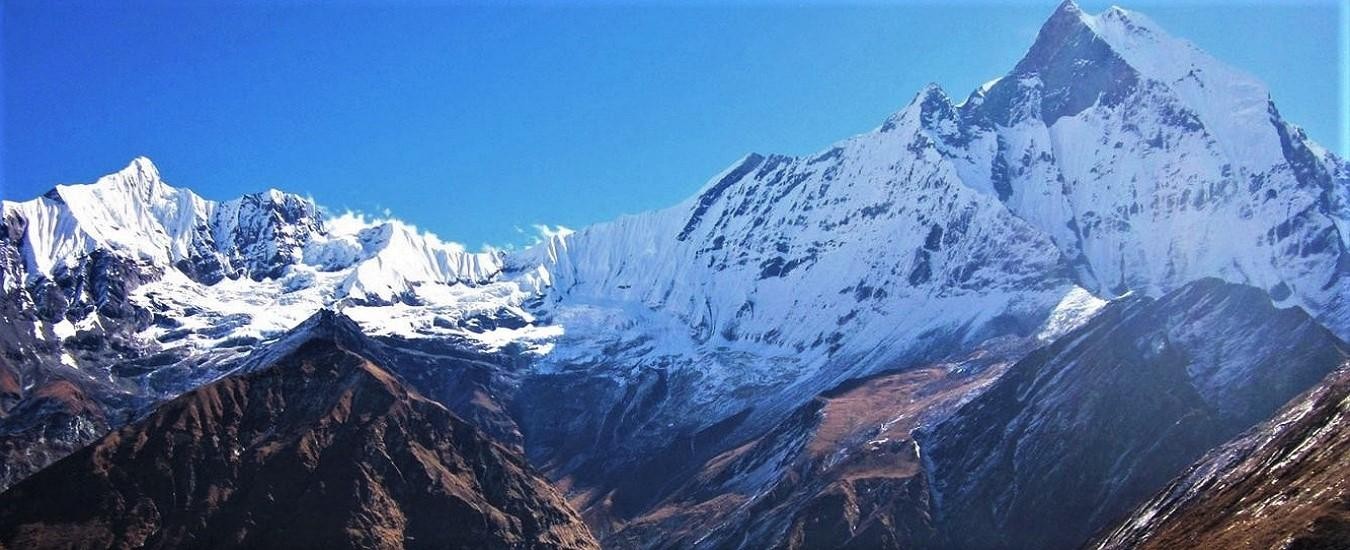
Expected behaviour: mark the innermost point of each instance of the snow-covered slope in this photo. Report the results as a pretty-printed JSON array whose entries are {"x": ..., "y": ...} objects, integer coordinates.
[
  {"x": 1152, "y": 164},
  {"x": 1111, "y": 159},
  {"x": 132, "y": 211},
  {"x": 874, "y": 239},
  {"x": 135, "y": 214}
]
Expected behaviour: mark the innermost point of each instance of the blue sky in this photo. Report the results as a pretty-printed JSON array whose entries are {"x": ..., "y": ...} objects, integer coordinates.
[{"x": 475, "y": 121}]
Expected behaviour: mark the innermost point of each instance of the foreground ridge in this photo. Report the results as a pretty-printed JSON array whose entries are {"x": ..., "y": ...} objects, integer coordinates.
[
  {"x": 1281, "y": 484},
  {"x": 322, "y": 449}
]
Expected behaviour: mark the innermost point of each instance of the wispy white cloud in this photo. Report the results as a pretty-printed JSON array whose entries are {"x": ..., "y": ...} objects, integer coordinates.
[{"x": 545, "y": 232}]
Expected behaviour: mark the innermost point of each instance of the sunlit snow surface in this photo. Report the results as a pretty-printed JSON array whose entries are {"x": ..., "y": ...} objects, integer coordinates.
[
  {"x": 887, "y": 263},
  {"x": 948, "y": 224},
  {"x": 232, "y": 309},
  {"x": 1077, "y": 308}
]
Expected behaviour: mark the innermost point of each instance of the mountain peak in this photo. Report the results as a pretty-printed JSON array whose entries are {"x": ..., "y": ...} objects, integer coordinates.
[
  {"x": 929, "y": 98},
  {"x": 1066, "y": 28},
  {"x": 325, "y": 325},
  {"x": 143, "y": 165},
  {"x": 141, "y": 176},
  {"x": 1068, "y": 7},
  {"x": 1073, "y": 37},
  {"x": 930, "y": 89},
  {"x": 1070, "y": 67},
  {"x": 930, "y": 101},
  {"x": 389, "y": 467}
]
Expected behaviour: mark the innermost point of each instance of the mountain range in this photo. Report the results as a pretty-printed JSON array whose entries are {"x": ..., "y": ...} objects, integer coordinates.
[{"x": 1078, "y": 296}]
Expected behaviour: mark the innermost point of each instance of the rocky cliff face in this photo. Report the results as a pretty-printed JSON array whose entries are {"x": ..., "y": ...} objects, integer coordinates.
[
  {"x": 1077, "y": 433},
  {"x": 320, "y": 449},
  {"x": 843, "y": 471},
  {"x": 1281, "y": 484}
]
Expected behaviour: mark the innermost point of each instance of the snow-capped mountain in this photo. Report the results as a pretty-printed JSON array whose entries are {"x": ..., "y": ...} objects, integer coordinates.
[
  {"x": 1112, "y": 156},
  {"x": 126, "y": 291},
  {"x": 1105, "y": 158},
  {"x": 1112, "y": 160},
  {"x": 137, "y": 215},
  {"x": 1152, "y": 164},
  {"x": 153, "y": 256}
]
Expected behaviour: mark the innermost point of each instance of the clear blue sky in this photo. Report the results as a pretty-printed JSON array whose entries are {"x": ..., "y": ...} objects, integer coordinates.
[{"x": 473, "y": 121}]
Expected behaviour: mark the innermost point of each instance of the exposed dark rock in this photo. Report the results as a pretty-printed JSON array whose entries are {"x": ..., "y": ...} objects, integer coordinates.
[
  {"x": 710, "y": 196},
  {"x": 1280, "y": 485},
  {"x": 1081, "y": 431},
  {"x": 267, "y": 232}
]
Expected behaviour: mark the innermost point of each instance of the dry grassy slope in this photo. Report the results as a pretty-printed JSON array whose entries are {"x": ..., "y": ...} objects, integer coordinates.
[
  {"x": 844, "y": 471},
  {"x": 1284, "y": 484},
  {"x": 1080, "y": 432},
  {"x": 324, "y": 450}
]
